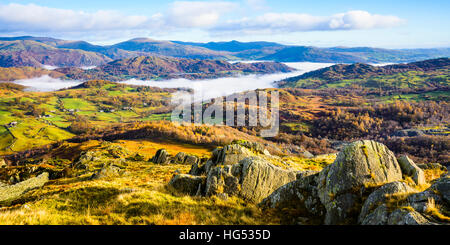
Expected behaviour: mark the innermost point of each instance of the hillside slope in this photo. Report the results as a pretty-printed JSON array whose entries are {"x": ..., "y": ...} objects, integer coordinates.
[
  {"x": 411, "y": 74},
  {"x": 32, "y": 53},
  {"x": 144, "y": 67}
]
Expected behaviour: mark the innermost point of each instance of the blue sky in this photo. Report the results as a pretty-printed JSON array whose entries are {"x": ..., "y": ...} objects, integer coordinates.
[{"x": 381, "y": 23}]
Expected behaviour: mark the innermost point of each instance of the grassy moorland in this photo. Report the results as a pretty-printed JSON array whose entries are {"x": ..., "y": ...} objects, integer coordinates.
[{"x": 138, "y": 197}]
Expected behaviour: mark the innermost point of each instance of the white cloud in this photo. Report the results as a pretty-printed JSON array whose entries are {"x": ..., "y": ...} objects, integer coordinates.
[
  {"x": 294, "y": 22},
  {"x": 31, "y": 17},
  {"x": 197, "y": 14},
  {"x": 211, "y": 17},
  {"x": 257, "y": 4}
]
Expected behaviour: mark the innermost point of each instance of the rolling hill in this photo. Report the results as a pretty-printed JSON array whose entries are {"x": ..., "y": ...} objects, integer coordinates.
[
  {"x": 149, "y": 67},
  {"x": 33, "y": 53},
  {"x": 167, "y": 48},
  {"x": 423, "y": 74}
]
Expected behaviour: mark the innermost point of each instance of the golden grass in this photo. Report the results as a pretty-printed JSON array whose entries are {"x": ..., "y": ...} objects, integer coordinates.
[
  {"x": 298, "y": 163},
  {"x": 434, "y": 210},
  {"x": 432, "y": 174},
  {"x": 148, "y": 148},
  {"x": 139, "y": 198}
]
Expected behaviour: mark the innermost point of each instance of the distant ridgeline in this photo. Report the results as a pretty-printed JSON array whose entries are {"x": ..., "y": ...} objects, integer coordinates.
[
  {"x": 423, "y": 74},
  {"x": 39, "y": 51}
]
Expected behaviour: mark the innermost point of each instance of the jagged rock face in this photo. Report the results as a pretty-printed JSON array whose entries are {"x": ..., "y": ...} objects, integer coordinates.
[
  {"x": 407, "y": 217},
  {"x": 374, "y": 210},
  {"x": 232, "y": 154},
  {"x": 382, "y": 216},
  {"x": 442, "y": 186},
  {"x": 300, "y": 195},
  {"x": 197, "y": 169},
  {"x": 221, "y": 180},
  {"x": 14, "y": 192},
  {"x": 228, "y": 155},
  {"x": 409, "y": 168},
  {"x": 183, "y": 158},
  {"x": 439, "y": 192},
  {"x": 188, "y": 184},
  {"x": 161, "y": 157},
  {"x": 253, "y": 179},
  {"x": 179, "y": 157},
  {"x": 358, "y": 165},
  {"x": 190, "y": 160},
  {"x": 259, "y": 178}
]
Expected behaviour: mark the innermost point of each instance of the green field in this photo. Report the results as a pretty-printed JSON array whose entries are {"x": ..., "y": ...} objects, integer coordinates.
[{"x": 101, "y": 105}]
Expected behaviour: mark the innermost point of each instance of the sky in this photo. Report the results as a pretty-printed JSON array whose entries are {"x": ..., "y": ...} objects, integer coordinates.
[{"x": 322, "y": 23}]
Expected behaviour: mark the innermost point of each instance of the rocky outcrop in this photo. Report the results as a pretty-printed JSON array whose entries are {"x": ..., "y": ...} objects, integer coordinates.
[
  {"x": 407, "y": 217},
  {"x": 188, "y": 184},
  {"x": 183, "y": 158},
  {"x": 252, "y": 179},
  {"x": 235, "y": 170},
  {"x": 161, "y": 157},
  {"x": 14, "y": 192},
  {"x": 438, "y": 192},
  {"x": 300, "y": 195},
  {"x": 179, "y": 157},
  {"x": 228, "y": 155},
  {"x": 198, "y": 169},
  {"x": 107, "y": 155},
  {"x": 191, "y": 160},
  {"x": 374, "y": 210},
  {"x": 359, "y": 165},
  {"x": 107, "y": 172},
  {"x": 231, "y": 154},
  {"x": 363, "y": 186},
  {"x": 442, "y": 186},
  {"x": 409, "y": 168}
]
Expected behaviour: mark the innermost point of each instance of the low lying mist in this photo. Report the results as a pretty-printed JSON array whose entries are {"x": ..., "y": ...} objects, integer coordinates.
[
  {"x": 210, "y": 88},
  {"x": 46, "y": 83},
  {"x": 213, "y": 88}
]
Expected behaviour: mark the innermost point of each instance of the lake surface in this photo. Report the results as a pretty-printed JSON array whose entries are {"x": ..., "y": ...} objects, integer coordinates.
[{"x": 210, "y": 88}]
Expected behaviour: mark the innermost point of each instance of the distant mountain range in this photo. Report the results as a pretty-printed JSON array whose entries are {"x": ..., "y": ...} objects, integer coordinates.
[
  {"x": 424, "y": 74},
  {"x": 39, "y": 51},
  {"x": 148, "y": 67},
  {"x": 288, "y": 53}
]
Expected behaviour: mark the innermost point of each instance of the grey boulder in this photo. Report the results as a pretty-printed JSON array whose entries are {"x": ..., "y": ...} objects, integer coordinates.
[
  {"x": 188, "y": 184},
  {"x": 359, "y": 165},
  {"x": 409, "y": 168}
]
